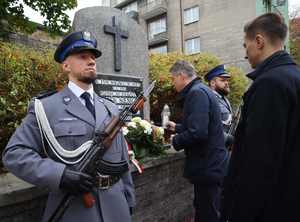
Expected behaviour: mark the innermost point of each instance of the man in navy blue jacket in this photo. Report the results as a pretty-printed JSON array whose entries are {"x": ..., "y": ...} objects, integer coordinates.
[{"x": 200, "y": 134}]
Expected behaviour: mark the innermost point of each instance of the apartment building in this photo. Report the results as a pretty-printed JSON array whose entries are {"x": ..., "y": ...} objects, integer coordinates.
[{"x": 193, "y": 26}]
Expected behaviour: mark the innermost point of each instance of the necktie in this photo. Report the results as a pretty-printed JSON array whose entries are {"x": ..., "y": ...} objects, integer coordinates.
[{"x": 88, "y": 103}]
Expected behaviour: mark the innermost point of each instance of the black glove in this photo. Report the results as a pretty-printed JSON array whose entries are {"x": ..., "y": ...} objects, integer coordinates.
[
  {"x": 229, "y": 139},
  {"x": 131, "y": 210},
  {"x": 75, "y": 182}
]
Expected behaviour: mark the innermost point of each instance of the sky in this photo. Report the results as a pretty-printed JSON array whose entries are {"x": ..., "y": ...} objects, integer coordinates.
[{"x": 36, "y": 17}]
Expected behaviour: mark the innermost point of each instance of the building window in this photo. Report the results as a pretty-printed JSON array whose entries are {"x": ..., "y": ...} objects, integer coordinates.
[
  {"x": 156, "y": 27},
  {"x": 159, "y": 49},
  {"x": 120, "y": 1},
  {"x": 192, "y": 46},
  {"x": 130, "y": 7},
  {"x": 152, "y": 2},
  {"x": 281, "y": 2},
  {"x": 105, "y": 3},
  {"x": 191, "y": 15},
  {"x": 149, "y": 2}
]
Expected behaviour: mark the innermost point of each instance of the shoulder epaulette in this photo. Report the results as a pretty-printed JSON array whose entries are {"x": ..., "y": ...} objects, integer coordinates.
[{"x": 44, "y": 94}]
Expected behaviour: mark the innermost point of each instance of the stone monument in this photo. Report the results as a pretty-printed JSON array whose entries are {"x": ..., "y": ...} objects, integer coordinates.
[{"x": 122, "y": 70}]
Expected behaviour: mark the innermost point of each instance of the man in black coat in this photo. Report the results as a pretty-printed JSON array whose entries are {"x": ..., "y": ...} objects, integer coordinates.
[
  {"x": 264, "y": 172},
  {"x": 201, "y": 136}
]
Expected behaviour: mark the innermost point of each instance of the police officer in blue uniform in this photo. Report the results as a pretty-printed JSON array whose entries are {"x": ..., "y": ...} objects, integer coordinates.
[
  {"x": 57, "y": 132},
  {"x": 200, "y": 134},
  {"x": 218, "y": 81}
]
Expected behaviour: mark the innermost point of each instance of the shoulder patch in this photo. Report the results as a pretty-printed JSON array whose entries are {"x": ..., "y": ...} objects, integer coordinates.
[{"x": 44, "y": 94}]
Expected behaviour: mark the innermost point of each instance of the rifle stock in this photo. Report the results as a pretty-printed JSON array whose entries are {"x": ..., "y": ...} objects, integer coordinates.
[
  {"x": 236, "y": 118},
  {"x": 101, "y": 143}
]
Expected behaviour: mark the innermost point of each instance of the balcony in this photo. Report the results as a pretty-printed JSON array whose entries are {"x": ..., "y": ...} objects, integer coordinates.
[
  {"x": 120, "y": 3},
  {"x": 158, "y": 39},
  {"x": 153, "y": 8}
]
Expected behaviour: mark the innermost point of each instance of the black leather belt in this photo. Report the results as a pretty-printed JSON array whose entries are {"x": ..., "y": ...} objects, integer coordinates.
[{"x": 104, "y": 182}]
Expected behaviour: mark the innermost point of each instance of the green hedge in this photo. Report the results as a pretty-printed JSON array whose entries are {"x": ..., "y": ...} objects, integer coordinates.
[
  {"x": 164, "y": 92},
  {"x": 295, "y": 49},
  {"x": 24, "y": 73}
]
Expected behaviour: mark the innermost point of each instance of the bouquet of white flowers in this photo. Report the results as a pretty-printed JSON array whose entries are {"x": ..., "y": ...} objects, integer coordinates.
[{"x": 144, "y": 138}]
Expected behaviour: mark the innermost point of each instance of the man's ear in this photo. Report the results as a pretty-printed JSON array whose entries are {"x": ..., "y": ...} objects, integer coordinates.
[
  {"x": 66, "y": 66},
  {"x": 213, "y": 83},
  {"x": 260, "y": 41}
]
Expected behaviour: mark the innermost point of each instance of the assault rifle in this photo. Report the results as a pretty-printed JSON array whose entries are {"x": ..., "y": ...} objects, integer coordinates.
[
  {"x": 229, "y": 135},
  {"x": 101, "y": 143},
  {"x": 236, "y": 118}
]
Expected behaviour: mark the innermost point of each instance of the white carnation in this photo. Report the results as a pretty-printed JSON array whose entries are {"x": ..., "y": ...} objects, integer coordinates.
[
  {"x": 148, "y": 131},
  {"x": 132, "y": 124},
  {"x": 136, "y": 119},
  {"x": 161, "y": 131},
  {"x": 125, "y": 131},
  {"x": 145, "y": 124}
]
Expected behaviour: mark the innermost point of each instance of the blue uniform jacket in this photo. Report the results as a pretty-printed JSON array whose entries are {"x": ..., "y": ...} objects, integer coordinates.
[
  {"x": 201, "y": 135},
  {"x": 72, "y": 124}
]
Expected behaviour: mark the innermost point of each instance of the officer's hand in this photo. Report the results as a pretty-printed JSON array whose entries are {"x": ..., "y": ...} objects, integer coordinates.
[
  {"x": 75, "y": 182},
  {"x": 229, "y": 139},
  {"x": 171, "y": 126},
  {"x": 131, "y": 210}
]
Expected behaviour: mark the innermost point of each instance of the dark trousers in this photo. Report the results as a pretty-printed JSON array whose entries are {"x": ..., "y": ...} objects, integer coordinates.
[{"x": 207, "y": 202}]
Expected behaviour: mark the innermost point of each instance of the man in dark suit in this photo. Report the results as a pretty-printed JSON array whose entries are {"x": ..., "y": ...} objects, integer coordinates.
[
  {"x": 57, "y": 132},
  {"x": 200, "y": 134},
  {"x": 263, "y": 179}
]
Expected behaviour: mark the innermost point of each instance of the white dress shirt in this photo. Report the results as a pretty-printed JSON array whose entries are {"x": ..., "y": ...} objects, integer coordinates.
[{"x": 78, "y": 92}]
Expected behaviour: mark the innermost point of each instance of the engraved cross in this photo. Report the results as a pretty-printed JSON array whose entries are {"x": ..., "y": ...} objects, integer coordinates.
[{"x": 118, "y": 34}]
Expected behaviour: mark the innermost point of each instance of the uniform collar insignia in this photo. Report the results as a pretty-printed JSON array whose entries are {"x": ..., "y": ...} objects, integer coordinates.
[{"x": 67, "y": 100}]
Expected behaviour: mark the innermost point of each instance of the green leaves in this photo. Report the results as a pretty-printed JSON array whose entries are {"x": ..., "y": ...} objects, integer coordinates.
[
  {"x": 295, "y": 38},
  {"x": 238, "y": 84},
  {"x": 146, "y": 140},
  {"x": 54, "y": 12},
  {"x": 295, "y": 49},
  {"x": 24, "y": 73},
  {"x": 164, "y": 93}
]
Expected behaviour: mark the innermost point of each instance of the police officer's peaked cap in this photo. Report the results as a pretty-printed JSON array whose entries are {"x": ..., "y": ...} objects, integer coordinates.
[
  {"x": 76, "y": 42},
  {"x": 217, "y": 71}
]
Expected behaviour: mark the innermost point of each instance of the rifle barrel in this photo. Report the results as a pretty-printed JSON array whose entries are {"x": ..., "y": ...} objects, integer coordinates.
[{"x": 97, "y": 151}]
